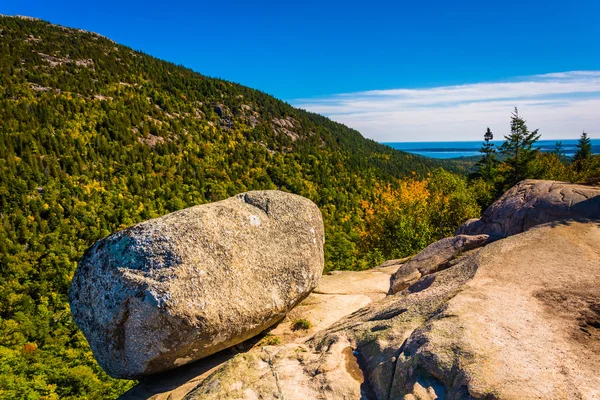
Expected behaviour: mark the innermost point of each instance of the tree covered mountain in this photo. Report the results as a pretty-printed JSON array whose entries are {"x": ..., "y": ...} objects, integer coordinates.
[{"x": 95, "y": 136}]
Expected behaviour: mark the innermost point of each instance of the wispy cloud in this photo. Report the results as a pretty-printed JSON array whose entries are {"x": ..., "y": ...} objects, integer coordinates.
[{"x": 560, "y": 104}]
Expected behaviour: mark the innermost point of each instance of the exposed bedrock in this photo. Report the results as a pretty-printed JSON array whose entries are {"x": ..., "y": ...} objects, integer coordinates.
[
  {"x": 516, "y": 319},
  {"x": 534, "y": 202}
]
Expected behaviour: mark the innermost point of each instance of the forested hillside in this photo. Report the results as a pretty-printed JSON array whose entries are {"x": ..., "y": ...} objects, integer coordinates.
[{"x": 95, "y": 136}]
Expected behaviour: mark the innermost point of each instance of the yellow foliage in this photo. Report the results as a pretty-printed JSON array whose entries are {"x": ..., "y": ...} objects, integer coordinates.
[
  {"x": 93, "y": 186},
  {"x": 406, "y": 215}
]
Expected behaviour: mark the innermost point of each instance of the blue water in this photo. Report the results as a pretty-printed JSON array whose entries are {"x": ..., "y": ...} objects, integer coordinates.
[{"x": 465, "y": 149}]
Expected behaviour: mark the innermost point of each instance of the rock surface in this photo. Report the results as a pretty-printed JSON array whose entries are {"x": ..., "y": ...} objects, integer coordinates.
[
  {"x": 338, "y": 294},
  {"x": 533, "y": 202},
  {"x": 435, "y": 257},
  {"x": 184, "y": 286},
  {"x": 516, "y": 319}
]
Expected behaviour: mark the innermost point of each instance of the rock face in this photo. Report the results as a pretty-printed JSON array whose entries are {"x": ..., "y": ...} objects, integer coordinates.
[
  {"x": 516, "y": 319},
  {"x": 178, "y": 288},
  {"x": 435, "y": 257},
  {"x": 533, "y": 202}
]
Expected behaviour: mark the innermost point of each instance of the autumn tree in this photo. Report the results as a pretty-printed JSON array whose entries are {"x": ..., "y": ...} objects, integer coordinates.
[{"x": 404, "y": 218}]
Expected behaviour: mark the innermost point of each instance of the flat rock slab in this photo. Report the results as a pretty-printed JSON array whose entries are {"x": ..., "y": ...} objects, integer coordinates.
[
  {"x": 340, "y": 293},
  {"x": 179, "y": 288},
  {"x": 373, "y": 283}
]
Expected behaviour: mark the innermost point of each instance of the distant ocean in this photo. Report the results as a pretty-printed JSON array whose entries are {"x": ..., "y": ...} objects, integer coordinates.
[{"x": 465, "y": 149}]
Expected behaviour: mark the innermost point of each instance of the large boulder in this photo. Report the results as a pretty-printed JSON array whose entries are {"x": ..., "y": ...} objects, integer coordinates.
[
  {"x": 516, "y": 319},
  {"x": 178, "y": 288},
  {"x": 533, "y": 202}
]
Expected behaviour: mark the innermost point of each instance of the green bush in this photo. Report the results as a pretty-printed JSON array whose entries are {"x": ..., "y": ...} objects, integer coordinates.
[{"x": 301, "y": 325}]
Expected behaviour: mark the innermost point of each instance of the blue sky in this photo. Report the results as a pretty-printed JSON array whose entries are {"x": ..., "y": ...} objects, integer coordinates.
[{"x": 312, "y": 53}]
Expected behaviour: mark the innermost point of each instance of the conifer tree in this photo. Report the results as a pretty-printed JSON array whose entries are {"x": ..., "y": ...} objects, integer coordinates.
[
  {"x": 486, "y": 166},
  {"x": 584, "y": 152},
  {"x": 518, "y": 149},
  {"x": 558, "y": 149}
]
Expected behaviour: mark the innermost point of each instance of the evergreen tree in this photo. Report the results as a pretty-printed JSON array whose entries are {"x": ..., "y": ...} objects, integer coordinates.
[
  {"x": 486, "y": 166},
  {"x": 558, "y": 149},
  {"x": 518, "y": 149},
  {"x": 584, "y": 152}
]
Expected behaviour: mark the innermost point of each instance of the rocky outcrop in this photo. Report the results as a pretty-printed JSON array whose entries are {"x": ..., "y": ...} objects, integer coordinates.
[
  {"x": 516, "y": 319},
  {"x": 181, "y": 287},
  {"x": 533, "y": 202},
  {"x": 433, "y": 258},
  {"x": 337, "y": 295},
  {"x": 286, "y": 126}
]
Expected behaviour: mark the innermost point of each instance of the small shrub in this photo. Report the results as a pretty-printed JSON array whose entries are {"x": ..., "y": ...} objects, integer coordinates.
[
  {"x": 269, "y": 340},
  {"x": 301, "y": 324}
]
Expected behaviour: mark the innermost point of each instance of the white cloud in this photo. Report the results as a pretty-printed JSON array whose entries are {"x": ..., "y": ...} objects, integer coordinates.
[{"x": 560, "y": 104}]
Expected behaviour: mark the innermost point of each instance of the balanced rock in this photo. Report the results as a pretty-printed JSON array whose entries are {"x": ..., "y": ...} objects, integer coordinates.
[
  {"x": 178, "y": 288},
  {"x": 533, "y": 202}
]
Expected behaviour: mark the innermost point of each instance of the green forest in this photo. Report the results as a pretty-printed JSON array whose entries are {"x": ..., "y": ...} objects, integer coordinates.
[{"x": 95, "y": 137}]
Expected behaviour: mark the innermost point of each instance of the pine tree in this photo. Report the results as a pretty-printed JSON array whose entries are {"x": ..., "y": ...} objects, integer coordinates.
[
  {"x": 558, "y": 149},
  {"x": 518, "y": 149},
  {"x": 486, "y": 166},
  {"x": 584, "y": 152}
]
